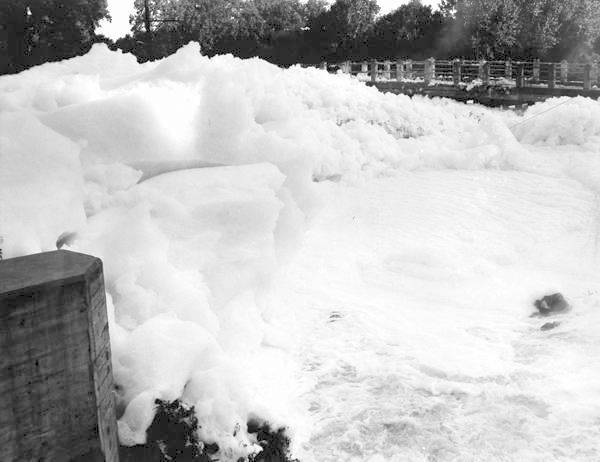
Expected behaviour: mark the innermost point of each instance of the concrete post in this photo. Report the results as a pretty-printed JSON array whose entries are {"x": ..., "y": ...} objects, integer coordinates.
[
  {"x": 408, "y": 67},
  {"x": 484, "y": 72},
  {"x": 456, "y": 72},
  {"x": 551, "y": 75},
  {"x": 387, "y": 70},
  {"x": 364, "y": 67},
  {"x": 323, "y": 65},
  {"x": 536, "y": 70},
  {"x": 508, "y": 69},
  {"x": 56, "y": 383},
  {"x": 595, "y": 75},
  {"x": 399, "y": 70},
  {"x": 347, "y": 67},
  {"x": 429, "y": 70},
  {"x": 564, "y": 71},
  {"x": 373, "y": 70},
  {"x": 520, "y": 80},
  {"x": 587, "y": 77}
]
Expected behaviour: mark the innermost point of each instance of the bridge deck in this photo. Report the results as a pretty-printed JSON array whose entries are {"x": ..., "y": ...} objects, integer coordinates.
[{"x": 489, "y": 95}]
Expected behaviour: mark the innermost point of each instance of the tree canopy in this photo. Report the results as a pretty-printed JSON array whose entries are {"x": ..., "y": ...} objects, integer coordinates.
[
  {"x": 526, "y": 28},
  {"x": 341, "y": 31},
  {"x": 410, "y": 30},
  {"x": 307, "y": 31},
  {"x": 36, "y": 31}
]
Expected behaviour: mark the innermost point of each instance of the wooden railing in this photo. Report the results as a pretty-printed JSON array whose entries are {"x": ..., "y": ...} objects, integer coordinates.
[{"x": 460, "y": 72}]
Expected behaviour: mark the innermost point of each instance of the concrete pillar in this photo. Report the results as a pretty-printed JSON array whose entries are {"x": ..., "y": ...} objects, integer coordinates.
[
  {"x": 364, "y": 67},
  {"x": 564, "y": 71},
  {"x": 551, "y": 75},
  {"x": 536, "y": 70},
  {"x": 508, "y": 69},
  {"x": 323, "y": 65},
  {"x": 484, "y": 72},
  {"x": 587, "y": 77},
  {"x": 429, "y": 70},
  {"x": 56, "y": 383},
  {"x": 387, "y": 70},
  {"x": 373, "y": 70},
  {"x": 456, "y": 72},
  {"x": 399, "y": 70},
  {"x": 520, "y": 80},
  {"x": 408, "y": 69}
]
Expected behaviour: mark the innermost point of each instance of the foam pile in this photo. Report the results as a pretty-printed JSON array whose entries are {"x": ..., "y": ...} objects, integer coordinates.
[{"x": 114, "y": 151}]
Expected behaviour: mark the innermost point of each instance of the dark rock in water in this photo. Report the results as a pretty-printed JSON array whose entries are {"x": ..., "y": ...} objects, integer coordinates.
[
  {"x": 335, "y": 178},
  {"x": 171, "y": 437},
  {"x": 275, "y": 443},
  {"x": 335, "y": 316},
  {"x": 552, "y": 304},
  {"x": 550, "y": 325}
]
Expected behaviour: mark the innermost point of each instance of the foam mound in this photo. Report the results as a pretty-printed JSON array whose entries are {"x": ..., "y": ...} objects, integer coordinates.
[
  {"x": 561, "y": 121},
  {"x": 194, "y": 179}
]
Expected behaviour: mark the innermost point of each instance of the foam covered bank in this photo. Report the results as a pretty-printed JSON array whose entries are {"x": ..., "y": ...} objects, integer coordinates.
[{"x": 194, "y": 179}]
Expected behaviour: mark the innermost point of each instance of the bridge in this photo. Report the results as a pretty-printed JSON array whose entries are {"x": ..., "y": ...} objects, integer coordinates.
[{"x": 492, "y": 83}]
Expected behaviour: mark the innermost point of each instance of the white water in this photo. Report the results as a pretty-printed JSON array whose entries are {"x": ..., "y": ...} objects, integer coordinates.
[{"x": 411, "y": 301}]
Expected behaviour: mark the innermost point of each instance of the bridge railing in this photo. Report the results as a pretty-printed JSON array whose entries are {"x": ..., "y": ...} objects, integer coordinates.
[{"x": 460, "y": 72}]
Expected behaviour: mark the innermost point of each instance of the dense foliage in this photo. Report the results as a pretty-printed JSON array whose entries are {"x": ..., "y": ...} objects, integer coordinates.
[
  {"x": 411, "y": 30},
  {"x": 526, "y": 28},
  {"x": 37, "y": 31},
  {"x": 296, "y": 31},
  {"x": 290, "y": 31}
]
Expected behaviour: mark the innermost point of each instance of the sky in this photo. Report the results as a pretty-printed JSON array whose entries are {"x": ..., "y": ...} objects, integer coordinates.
[
  {"x": 119, "y": 26},
  {"x": 121, "y": 9},
  {"x": 389, "y": 5}
]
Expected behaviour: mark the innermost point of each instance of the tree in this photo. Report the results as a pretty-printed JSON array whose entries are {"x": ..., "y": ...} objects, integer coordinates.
[
  {"x": 550, "y": 29},
  {"x": 353, "y": 18},
  {"x": 280, "y": 15},
  {"x": 341, "y": 31},
  {"x": 36, "y": 31},
  {"x": 578, "y": 29},
  {"x": 411, "y": 29},
  {"x": 176, "y": 22},
  {"x": 312, "y": 9},
  {"x": 448, "y": 7},
  {"x": 273, "y": 29},
  {"x": 491, "y": 25},
  {"x": 248, "y": 31},
  {"x": 540, "y": 21}
]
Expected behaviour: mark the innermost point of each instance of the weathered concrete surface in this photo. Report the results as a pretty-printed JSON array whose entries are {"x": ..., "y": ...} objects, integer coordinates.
[{"x": 56, "y": 384}]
